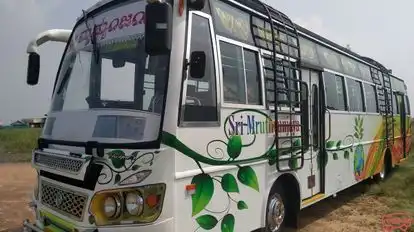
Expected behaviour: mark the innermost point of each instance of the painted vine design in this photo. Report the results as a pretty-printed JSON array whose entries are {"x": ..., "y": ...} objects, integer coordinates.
[
  {"x": 121, "y": 163},
  {"x": 347, "y": 145},
  {"x": 205, "y": 191},
  {"x": 229, "y": 151}
]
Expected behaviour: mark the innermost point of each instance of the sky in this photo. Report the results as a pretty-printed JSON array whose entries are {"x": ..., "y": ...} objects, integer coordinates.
[{"x": 378, "y": 29}]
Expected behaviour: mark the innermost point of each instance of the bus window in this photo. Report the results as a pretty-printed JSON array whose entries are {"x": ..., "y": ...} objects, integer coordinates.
[
  {"x": 394, "y": 104},
  {"x": 335, "y": 91},
  {"x": 355, "y": 95},
  {"x": 371, "y": 98},
  {"x": 240, "y": 68},
  {"x": 200, "y": 99},
  {"x": 407, "y": 105}
]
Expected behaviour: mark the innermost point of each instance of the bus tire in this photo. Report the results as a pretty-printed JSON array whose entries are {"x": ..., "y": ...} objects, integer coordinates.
[
  {"x": 278, "y": 210},
  {"x": 386, "y": 167}
]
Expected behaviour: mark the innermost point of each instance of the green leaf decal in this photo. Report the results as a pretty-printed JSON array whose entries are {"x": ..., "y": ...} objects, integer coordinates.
[
  {"x": 117, "y": 178},
  {"x": 335, "y": 156},
  {"x": 330, "y": 144},
  {"x": 247, "y": 176},
  {"x": 272, "y": 157},
  {"x": 338, "y": 144},
  {"x": 346, "y": 155},
  {"x": 135, "y": 167},
  {"x": 229, "y": 184},
  {"x": 241, "y": 205},
  {"x": 356, "y": 135},
  {"x": 204, "y": 192},
  {"x": 133, "y": 155},
  {"x": 234, "y": 146},
  {"x": 117, "y": 158},
  {"x": 293, "y": 163},
  {"x": 227, "y": 225},
  {"x": 207, "y": 222},
  {"x": 296, "y": 143}
]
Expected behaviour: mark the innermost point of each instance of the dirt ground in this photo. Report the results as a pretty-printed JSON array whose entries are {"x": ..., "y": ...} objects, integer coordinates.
[{"x": 349, "y": 211}]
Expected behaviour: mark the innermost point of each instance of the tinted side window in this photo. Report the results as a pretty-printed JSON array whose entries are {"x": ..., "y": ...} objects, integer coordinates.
[
  {"x": 371, "y": 98},
  {"x": 241, "y": 77},
  {"x": 355, "y": 95},
  {"x": 335, "y": 91},
  {"x": 201, "y": 101}
]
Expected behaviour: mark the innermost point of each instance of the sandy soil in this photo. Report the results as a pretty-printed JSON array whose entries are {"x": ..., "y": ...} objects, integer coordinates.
[
  {"x": 350, "y": 211},
  {"x": 16, "y": 186}
]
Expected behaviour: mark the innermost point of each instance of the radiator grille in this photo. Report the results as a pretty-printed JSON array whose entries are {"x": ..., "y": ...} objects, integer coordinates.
[{"x": 67, "y": 202}]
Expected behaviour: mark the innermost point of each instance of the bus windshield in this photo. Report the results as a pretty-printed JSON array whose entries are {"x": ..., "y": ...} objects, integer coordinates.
[
  {"x": 106, "y": 75},
  {"x": 124, "y": 77}
]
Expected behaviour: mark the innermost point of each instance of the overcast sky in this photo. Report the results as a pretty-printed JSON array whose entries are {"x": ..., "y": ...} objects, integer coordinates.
[{"x": 379, "y": 29}]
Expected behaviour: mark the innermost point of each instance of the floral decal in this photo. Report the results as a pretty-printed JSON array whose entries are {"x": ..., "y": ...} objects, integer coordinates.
[
  {"x": 118, "y": 162},
  {"x": 351, "y": 143},
  {"x": 219, "y": 152},
  {"x": 205, "y": 191},
  {"x": 359, "y": 151}
]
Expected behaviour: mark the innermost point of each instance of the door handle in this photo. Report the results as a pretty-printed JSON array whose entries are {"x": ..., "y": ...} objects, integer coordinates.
[{"x": 329, "y": 124}]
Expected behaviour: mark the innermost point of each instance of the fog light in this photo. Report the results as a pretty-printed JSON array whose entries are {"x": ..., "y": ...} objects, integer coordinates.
[{"x": 134, "y": 203}]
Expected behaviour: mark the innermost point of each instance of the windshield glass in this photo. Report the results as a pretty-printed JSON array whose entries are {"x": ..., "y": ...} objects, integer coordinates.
[
  {"x": 123, "y": 81},
  {"x": 124, "y": 77}
]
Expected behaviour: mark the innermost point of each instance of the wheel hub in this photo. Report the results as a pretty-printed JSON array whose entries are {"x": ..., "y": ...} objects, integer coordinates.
[{"x": 275, "y": 213}]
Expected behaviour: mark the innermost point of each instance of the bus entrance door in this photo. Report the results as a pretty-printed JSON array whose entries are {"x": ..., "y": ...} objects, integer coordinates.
[{"x": 315, "y": 178}]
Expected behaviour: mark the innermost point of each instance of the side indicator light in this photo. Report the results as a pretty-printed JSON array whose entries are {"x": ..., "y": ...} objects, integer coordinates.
[{"x": 190, "y": 189}]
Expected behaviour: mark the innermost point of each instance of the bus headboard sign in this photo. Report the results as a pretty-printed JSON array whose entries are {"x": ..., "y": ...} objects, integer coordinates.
[{"x": 127, "y": 20}]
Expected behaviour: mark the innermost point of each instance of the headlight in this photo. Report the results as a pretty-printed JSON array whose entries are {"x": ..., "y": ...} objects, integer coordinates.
[
  {"x": 134, "y": 203},
  {"x": 112, "y": 207}
]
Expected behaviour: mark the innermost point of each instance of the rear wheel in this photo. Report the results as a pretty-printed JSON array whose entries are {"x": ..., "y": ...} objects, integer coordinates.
[
  {"x": 386, "y": 168},
  {"x": 276, "y": 211}
]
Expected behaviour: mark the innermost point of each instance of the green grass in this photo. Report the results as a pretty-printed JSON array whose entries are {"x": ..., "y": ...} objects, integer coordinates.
[
  {"x": 397, "y": 192},
  {"x": 16, "y": 144}
]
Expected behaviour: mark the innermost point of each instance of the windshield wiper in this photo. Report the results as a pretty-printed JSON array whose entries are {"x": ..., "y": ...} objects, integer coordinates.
[
  {"x": 92, "y": 37},
  {"x": 95, "y": 50}
]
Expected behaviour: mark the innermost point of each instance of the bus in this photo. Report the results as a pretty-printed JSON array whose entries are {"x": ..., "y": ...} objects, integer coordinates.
[{"x": 195, "y": 115}]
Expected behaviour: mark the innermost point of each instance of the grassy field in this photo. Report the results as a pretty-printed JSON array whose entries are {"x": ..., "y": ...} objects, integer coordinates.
[
  {"x": 16, "y": 144},
  {"x": 397, "y": 192}
]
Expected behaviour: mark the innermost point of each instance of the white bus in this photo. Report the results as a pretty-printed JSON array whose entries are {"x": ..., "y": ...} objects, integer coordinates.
[{"x": 183, "y": 115}]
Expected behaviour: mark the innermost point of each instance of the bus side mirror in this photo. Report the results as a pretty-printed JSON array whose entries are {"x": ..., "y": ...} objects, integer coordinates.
[
  {"x": 158, "y": 28},
  {"x": 33, "y": 69},
  {"x": 197, "y": 64}
]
